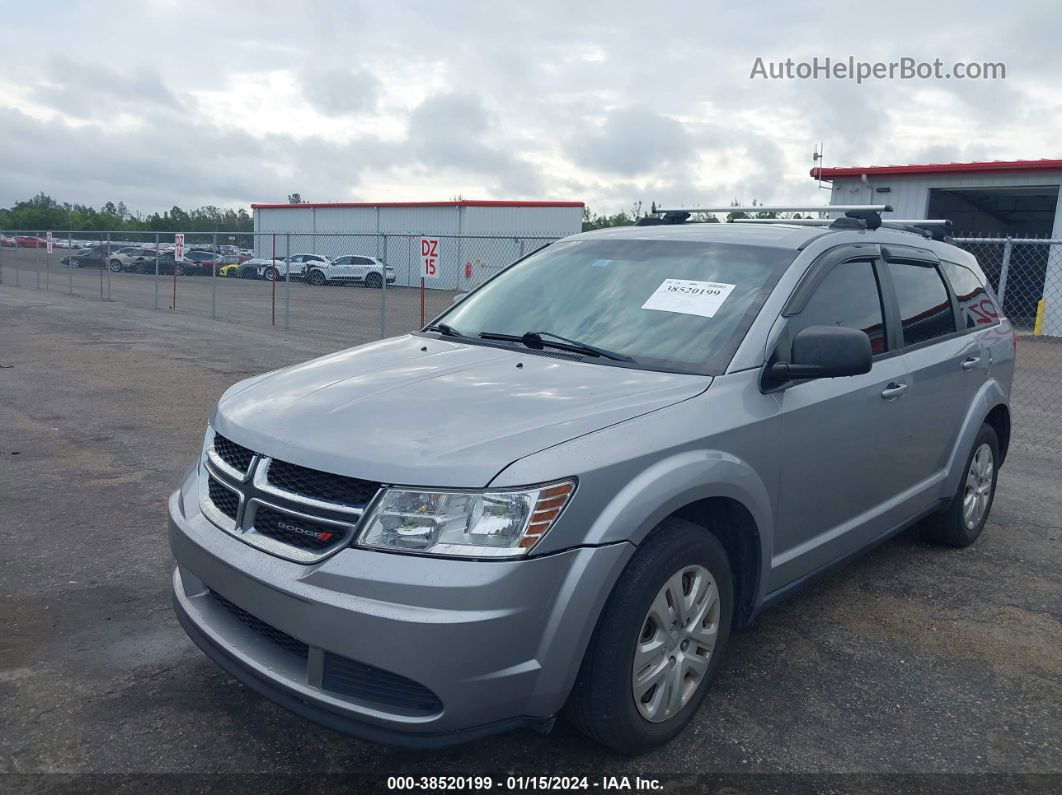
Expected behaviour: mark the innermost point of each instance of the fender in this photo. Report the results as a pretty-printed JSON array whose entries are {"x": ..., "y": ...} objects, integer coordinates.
[{"x": 990, "y": 395}]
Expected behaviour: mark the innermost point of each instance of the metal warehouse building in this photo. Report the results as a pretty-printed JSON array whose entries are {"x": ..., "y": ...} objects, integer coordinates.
[
  {"x": 996, "y": 199},
  {"x": 476, "y": 238}
]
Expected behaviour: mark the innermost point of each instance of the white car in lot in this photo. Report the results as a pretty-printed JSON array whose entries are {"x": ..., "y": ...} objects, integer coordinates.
[{"x": 353, "y": 268}]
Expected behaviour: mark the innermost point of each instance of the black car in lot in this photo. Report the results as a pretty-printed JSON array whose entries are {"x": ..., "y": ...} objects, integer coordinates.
[
  {"x": 93, "y": 257},
  {"x": 167, "y": 263}
]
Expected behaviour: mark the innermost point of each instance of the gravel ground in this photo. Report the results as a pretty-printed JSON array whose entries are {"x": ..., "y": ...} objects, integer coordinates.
[{"x": 912, "y": 660}]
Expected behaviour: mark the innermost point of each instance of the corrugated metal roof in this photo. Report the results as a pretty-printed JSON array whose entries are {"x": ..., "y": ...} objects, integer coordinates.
[
  {"x": 463, "y": 203},
  {"x": 938, "y": 168}
]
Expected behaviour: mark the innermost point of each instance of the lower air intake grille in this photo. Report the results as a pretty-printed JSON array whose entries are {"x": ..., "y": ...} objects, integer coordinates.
[
  {"x": 236, "y": 456},
  {"x": 299, "y": 532},
  {"x": 270, "y": 633},
  {"x": 224, "y": 500},
  {"x": 367, "y": 683},
  {"x": 321, "y": 485}
]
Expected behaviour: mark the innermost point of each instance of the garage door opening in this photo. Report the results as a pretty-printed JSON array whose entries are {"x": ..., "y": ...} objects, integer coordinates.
[{"x": 997, "y": 212}]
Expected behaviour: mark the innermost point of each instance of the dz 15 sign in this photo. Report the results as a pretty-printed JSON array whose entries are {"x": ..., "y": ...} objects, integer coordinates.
[{"x": 429, "y": 258}]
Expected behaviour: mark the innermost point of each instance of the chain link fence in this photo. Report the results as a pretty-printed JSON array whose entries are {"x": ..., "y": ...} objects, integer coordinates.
[
  {"x": 350, "y": 287},
  {"x": 1027, "y": 276},
  {"x": 355, "y": 288}
]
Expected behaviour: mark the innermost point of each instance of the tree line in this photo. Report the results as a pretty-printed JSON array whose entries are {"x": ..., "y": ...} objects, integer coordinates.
[{"x": 42, "y": 213}]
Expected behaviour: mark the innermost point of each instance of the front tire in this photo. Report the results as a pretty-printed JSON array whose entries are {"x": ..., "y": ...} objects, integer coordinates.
[
  {"x": 960, "y": 524},
  {"x": 271, "y": 274},
  {"x": 316, "y": 278},
  {"x": 115, "y": 266},
  {"x": 658, "y": 643}
]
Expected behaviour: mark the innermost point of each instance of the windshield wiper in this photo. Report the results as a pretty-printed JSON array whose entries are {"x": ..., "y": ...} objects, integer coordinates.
[
  {"x": 445, "y": 330},
  {"x": 535, "y": 340}
]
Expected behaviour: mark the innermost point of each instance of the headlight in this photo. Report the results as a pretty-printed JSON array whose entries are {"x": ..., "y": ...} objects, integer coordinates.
[{"x": 470, "y": 524}]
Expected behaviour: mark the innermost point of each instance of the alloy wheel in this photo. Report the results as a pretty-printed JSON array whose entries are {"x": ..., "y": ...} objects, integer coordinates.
[{"x": 978, "y": 493}]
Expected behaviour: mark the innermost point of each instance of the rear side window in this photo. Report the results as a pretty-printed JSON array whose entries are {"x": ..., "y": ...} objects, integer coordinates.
[
  {"x": 847, "y": 297},
  {"x": 925, "y": 307},
  {"x": 977, "y": 306}
]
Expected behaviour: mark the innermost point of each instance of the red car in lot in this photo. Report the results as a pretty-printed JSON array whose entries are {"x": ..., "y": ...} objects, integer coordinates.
[{"x": 28, "y": 241}]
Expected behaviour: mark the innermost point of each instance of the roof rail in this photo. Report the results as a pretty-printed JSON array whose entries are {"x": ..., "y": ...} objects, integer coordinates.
[
  {"x": 784, "y": 208},
  {"x": 934, "y": 228}
]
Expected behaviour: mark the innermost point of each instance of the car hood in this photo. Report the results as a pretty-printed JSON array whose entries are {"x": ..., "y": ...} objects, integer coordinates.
[{"x": 416, "y": 410}]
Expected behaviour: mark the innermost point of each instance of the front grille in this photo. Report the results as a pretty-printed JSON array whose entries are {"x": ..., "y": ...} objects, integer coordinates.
[
  {"x": 224, "y": 499},
  {"x": 365, "y": 682},
  {"x": 321, "y": 485},
  {"x": 293, "y": 530},
  {"x": 267, "y": 631},
  {"x": 236, "y": 456}
]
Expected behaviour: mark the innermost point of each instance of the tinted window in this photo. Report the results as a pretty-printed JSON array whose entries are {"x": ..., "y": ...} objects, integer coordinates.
[
  {"x": 925, "y": 309},
  {"x": 363, "y": 261},
  {"x": 675, "y": 304},
  {"x": 342, "y": 261},
  {"x": 847, "y": 297},
  {"x": 977, "y": 307}
]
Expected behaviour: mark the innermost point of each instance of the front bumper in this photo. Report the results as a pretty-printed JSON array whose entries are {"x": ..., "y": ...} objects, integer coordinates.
[{"x": 497, "y": 642}]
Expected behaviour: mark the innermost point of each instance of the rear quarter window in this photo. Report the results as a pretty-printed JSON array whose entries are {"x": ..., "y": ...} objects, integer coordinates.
[{"x": 978, "y": 308}]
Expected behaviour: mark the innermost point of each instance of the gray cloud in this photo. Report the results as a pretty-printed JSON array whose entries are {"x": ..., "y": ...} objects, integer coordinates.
[
  {"x": 543, "y": 100},
  {"x": 341, "y": 90}
]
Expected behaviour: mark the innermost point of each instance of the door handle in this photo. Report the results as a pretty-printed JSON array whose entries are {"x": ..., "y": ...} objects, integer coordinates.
[
  {"x": 893, "y": 391},
  {"x": 971, "y": 362}
]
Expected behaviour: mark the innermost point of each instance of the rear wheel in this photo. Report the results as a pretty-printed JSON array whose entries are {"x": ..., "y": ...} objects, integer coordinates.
[
  {"x": 658, "y": 643},
  {"x": 962, "y": 521},
  {"x": 138, "y": 267},
  {"x": 373, "y": 280}
]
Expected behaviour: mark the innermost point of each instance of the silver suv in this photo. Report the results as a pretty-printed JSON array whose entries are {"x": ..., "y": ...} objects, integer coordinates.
[{"x": 565, "y": 493}]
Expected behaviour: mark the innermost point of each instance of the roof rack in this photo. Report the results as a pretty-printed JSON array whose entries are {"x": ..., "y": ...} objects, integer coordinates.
[{"x": 868, "y": 215}]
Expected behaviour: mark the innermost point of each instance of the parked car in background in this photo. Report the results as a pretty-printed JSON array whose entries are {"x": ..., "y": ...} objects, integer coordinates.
[
  {"x": 203, "y": 262},
  {"x": 123, "y": 258},
  {"x": 350, "y": 269},
  {"x": 294, "y": 266},
  {"x": 256, "y": 267},
  {"x": 29, "y": 241},
  {"x": 9, "y": 242},
  {"x": 92, "y": 257}
]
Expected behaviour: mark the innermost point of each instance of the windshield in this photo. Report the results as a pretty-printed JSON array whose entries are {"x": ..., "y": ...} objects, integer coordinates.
[{"x": 668, "y": 304}]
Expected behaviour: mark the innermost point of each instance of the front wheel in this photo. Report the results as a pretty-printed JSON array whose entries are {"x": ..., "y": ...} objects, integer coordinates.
[
  {"x": 962, "y": 521},
  {"x": 316, "y": 278},
  {"x": 271, "y": 274},
  {"x": 75, "y": 263},
  {"x": 658, "y": 643},
  {"x": 115, "y": 266}
]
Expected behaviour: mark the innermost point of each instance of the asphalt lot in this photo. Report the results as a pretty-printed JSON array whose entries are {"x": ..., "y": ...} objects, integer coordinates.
[
  {"x": 340, "y": 313},
  {"x": 914, "y": 659}
]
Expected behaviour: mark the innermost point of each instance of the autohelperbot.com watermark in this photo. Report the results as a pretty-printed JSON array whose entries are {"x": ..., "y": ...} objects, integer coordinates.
[{"x": 850, "y": 68}]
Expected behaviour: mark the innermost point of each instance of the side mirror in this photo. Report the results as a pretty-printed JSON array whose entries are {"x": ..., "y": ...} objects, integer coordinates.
[
  {"x": 826, "y": 352},
  {"x": 460, "y": 297}
]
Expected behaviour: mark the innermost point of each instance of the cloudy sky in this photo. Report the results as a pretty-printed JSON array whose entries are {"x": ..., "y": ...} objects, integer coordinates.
[{"x": 163, "y": 102}]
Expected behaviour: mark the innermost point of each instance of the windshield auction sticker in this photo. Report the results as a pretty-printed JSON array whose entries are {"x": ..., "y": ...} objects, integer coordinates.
[{"x": 688, "y": 297}]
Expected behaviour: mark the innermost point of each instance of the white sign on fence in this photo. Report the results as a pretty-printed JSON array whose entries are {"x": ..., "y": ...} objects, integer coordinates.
[
  {"x": 429, "y": 258},
  {"x": 178, "y": 246},
  {"x": 49, "y": 242}
]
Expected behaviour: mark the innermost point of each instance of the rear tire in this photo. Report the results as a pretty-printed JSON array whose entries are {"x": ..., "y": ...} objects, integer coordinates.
[
  {"x": 633, "y": 645},
  {"x": 373, "y": 280},
  {"x": 960, "y": 524}
]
